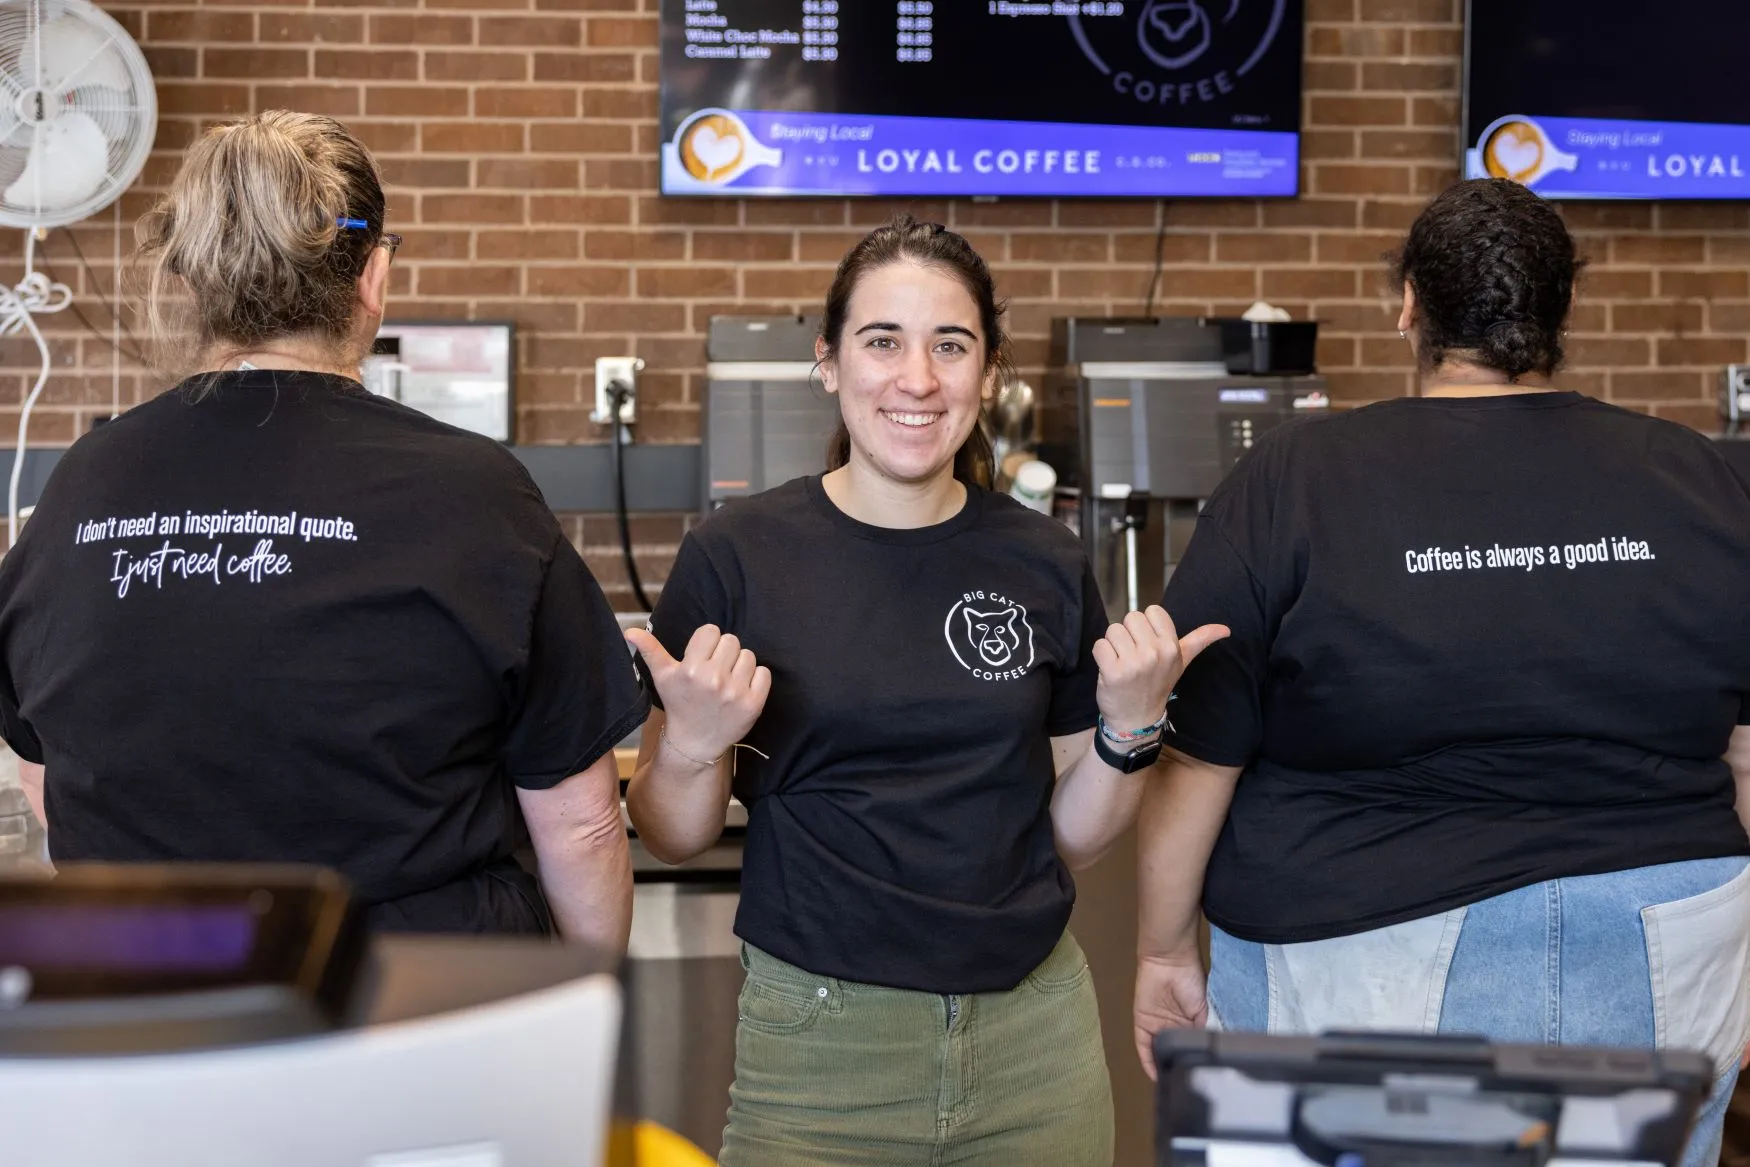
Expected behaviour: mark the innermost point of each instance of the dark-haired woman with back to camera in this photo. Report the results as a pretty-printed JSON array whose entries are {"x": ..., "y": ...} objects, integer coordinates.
[
  {"x": 269, "y": 617},
  {"x": 1476, "y": 757},
  {"x": 916, "y": 667}
]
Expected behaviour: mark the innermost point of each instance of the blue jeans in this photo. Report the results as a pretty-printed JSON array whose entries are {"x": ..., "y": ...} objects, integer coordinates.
[{"x": 1655, "y": 957}]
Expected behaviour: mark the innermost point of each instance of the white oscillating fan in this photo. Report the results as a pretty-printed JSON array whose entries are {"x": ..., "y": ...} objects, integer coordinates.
[{"x": 77, "y": 118}]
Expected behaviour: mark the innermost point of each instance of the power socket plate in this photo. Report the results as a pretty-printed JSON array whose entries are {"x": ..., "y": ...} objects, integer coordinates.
[{"x": 607, "y": 371}]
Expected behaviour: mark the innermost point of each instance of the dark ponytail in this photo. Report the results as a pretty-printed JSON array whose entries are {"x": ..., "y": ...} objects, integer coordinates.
[{"x": 932, "y": 245}]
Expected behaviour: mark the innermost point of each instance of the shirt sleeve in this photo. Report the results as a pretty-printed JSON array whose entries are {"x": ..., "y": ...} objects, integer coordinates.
[
  {"x": 1073, "y": 707},
  {"x": 1217, "y": 709},
  {"x": 692, "y": 597},
  {"x": 15, "y": 628},
  {"x": 579, "y": 696}
]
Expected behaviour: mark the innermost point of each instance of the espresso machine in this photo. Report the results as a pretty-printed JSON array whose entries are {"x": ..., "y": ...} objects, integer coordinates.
[{"x": 1164, "y": 408}]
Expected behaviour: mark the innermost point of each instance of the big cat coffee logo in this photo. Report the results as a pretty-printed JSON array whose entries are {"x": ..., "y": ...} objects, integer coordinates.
[{"x": 1181, "y": 52}]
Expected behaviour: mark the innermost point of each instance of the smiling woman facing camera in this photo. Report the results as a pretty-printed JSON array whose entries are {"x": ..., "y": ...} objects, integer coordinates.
[
  {"x": 1468, "y": 762},
  {"x": 267, "y": 616},
  {"x": 913, "y": 668}
]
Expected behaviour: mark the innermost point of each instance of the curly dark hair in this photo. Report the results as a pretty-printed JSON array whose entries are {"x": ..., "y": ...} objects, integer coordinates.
[{"x": 1493, "y": 268}]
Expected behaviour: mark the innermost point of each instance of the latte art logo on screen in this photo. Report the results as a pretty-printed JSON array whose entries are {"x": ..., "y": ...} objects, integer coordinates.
[
  {"x": 1181, "y": 53},
  {"x": 989, "y": 635}
]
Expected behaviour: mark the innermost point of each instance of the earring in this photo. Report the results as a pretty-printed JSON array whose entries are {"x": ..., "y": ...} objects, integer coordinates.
[{"x": 1402, "y": 335}]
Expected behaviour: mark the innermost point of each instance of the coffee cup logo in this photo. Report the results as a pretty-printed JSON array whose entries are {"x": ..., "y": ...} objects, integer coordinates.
[
  {"x": 714, "y": 147},
  {"x": 1174, "y": 33},
  {"x": 1516, "y": 148},
  {"x": 1184, "y": 53}
]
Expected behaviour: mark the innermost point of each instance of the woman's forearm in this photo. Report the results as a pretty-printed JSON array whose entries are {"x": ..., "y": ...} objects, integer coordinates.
[
  {"x": 1183, "y": 807},
  {"x": 677, "y": 804},
  {"x": 1093, "y": 804}
]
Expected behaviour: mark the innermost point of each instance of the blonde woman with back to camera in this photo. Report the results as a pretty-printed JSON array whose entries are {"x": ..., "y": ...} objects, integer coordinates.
[{"x": 268, "y": 616}]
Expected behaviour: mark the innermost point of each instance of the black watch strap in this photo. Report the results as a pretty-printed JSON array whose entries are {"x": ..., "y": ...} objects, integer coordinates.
[{"x": 1140, "y": 758}]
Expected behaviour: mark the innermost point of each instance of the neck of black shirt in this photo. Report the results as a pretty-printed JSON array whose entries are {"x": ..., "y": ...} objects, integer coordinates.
[{"x": 870, "y": 498}]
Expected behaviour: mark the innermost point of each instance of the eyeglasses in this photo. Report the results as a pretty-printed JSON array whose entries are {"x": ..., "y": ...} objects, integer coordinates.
[{"x": 387, "y": 239}]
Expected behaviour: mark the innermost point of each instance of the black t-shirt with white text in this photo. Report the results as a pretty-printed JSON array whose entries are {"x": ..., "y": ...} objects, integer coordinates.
[
  {"x": 900, "y": 832},
  {"x": 1477, "y": 644},
  {"x": 291, "y": 621}
]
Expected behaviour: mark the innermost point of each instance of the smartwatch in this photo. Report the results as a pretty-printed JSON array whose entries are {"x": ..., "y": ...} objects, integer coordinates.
[{"x": 1140, "y": 757}]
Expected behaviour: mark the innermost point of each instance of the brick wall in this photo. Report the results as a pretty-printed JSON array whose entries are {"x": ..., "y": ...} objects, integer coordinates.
[{"x": 520, "y": 141}]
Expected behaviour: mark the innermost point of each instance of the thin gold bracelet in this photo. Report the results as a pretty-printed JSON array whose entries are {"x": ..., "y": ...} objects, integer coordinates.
[{"x": 666, "y": 740}]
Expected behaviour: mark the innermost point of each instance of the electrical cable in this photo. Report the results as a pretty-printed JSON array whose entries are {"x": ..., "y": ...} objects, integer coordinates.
[
  {"x": 1154, "y": 280},
  {"x": 114, "y": 309},
  {"x": 33, "y": 295},
  {"x": 618, "y": 438}
]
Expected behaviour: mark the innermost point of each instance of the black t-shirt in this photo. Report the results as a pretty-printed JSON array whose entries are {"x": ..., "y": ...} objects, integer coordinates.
[
  {"x": 292, "y": 621},
  {"x": 1477, "y": 644},
  {"x": 900, "y": 833}
]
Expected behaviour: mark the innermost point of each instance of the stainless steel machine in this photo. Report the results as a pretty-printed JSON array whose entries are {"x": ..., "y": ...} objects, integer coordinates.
[
  {"x": 1159, "y": 421},
  {"x": 766, "y": 418}
]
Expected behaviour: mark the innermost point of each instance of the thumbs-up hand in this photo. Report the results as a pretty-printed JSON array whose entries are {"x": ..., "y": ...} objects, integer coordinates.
[
  {"x": 711, "y": 696},
  {"x": 1140, "y": 661}
]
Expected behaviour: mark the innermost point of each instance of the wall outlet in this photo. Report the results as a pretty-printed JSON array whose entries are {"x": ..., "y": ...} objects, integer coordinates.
[{"x": 624, "y": 370}]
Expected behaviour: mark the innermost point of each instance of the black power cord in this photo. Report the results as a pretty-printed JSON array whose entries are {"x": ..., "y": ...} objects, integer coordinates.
[
  {"x": 1154, "y": 280},
  {"x": 618, "y": 437}
]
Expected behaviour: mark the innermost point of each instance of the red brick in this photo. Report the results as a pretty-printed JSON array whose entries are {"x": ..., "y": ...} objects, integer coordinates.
[
  {"x": 256, "y": 63},
  {"x": 581, "y": 138},
  {"x": 1441, "y": 144},
  {"x": 579, "y": 280},
  {"x": 367, "y": 65},
  {"x": 619, "y": 173},
  {"x": 1359, "y": 111},
  {"x": 527, "y": 245},
  {"x": 319, "y": 28},
  {"x": 471, "y": 208},
  {"x": 596, "y": 67},
  {"x": 200, "y": 28},
  {"x": 622, "y": 32},
  {"x": 1697, "y": 350},
  {"x": 1659, "y": 250},
  {"x": 474, "y": 279},
  {"x": 1061, "y": 247},
  {"x": 540, "y": 31},
  {"x": 1263, "y": 248},
  {"x": 423, "y": 29},
  {"x": 525, "y": 103},
  {"x": 525, "y": 173},
  {"x": 202, "y": 97},
  {"x": 688, "y": 283},
  {"x": 340, "y": 101},
  {"x": 533, "y": 316},
  {"x": 475, "y": 67},
  {"x": 1660, "y": 385},
  {"x": 634, "y": 318},
  {"x": 1704, "y": 285},
  {"x": 473, "y": 137},
  {"x": 1356, "y": 41},
  {"x": 744, "y": 246},
  {"x": 1409, "y": 76},
  {"x": 1411, "y": 11},
  {"x": 1608, "y": 353},
  {"x": 577, "y": 208},
  {"x": 432, "y": 101},
  {"x": 1334, "y": 178},
  {"x": 1313, "y": 283}
]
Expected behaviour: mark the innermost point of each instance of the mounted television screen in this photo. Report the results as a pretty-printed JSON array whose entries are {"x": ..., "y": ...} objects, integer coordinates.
[
  {"x": 1100, "y": 98},
  {"x": 1609, "y": 99}
]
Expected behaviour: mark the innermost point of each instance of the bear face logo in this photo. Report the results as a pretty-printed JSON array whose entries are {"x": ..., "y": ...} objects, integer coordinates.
[
  {"x": 989, "y": 635},
  {"x": 993, "y": 634}
]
